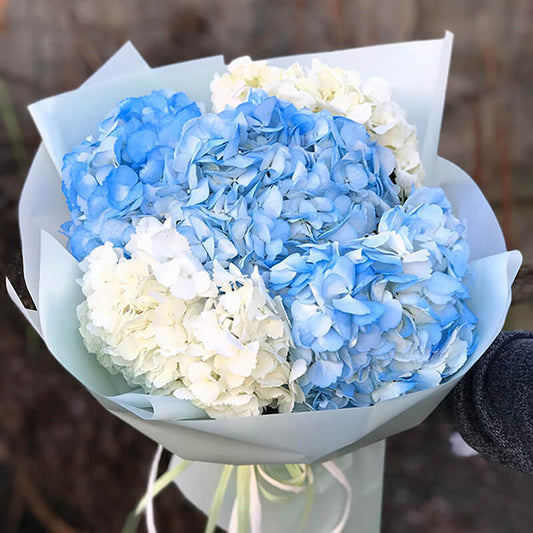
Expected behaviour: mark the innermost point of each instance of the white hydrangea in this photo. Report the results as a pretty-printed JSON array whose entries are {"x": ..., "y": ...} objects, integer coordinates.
[
  {"x": 166, "y": 325},
  {"x": 340, "y": 91}
]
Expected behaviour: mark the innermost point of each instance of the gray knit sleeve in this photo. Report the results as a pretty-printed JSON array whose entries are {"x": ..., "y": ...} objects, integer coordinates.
[{"x": 492, "y": 405}]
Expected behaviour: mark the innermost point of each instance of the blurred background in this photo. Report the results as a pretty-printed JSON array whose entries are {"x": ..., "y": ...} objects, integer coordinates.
[{"x": 66, "y": 465}]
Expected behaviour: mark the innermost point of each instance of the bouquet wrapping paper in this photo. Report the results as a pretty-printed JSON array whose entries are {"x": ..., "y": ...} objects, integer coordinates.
[{"x": 417, "y": 72}]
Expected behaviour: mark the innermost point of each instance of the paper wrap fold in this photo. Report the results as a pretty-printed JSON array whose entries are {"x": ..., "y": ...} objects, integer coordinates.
[{"x": 417, "y": 72}]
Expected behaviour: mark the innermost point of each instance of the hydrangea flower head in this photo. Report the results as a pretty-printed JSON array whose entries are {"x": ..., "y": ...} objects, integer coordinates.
[
  {"x": 342, "y": 92},
  {"x": 385, "y": 315},
  {"x": 162, "y": 321},
  {"x": 124, "y": 171},
  {"x": 270, "y": 177}
]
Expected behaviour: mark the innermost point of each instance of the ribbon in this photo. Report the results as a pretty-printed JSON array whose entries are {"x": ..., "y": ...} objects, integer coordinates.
[
  {"x": 275, "y": 483},
  {"x": 154, "y": 487},
  {"x": 150, "y": 519},
  {"x": 337, "y": 473}
]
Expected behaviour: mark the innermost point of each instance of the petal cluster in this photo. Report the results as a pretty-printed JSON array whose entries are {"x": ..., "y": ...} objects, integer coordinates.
[
  {"x": 166, "y": 324},
  {"x": 124, "y": 171},
  {"x": 385, "y": 315},
  {"x": 342, "y": 92},
  {"x": 265, "y": 177}
]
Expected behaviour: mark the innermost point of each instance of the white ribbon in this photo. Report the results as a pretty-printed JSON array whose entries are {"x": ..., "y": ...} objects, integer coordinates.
[
  {"x": 338, "y": 474},
  {"x": 246, "y": 514},
  {"x": 150, "y": 519},
  {"x": 256, "y": 515}
]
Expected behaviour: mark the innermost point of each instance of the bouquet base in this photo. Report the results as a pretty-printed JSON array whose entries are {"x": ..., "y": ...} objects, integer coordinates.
[{"x": 363, "y": 469}]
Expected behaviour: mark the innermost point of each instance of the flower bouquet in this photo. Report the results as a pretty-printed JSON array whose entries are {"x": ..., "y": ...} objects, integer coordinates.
[{"x": 263, "y": 264}]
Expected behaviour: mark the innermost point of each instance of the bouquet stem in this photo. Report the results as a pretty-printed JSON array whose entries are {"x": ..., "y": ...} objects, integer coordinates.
[{"x": 335, "y": 496}]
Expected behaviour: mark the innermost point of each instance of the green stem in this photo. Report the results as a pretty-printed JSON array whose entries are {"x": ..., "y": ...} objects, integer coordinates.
[
  {"x": 218, "y": 497},
  {"x": 132, "y": 521},
  {"x": 243, "y": 498}
]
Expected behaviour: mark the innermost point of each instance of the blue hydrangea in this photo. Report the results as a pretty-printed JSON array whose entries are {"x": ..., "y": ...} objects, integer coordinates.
[
  {"x": 125, "y": 171},
  {"x": 271, "y": 178},
  {"x": 385, "y": 315}
]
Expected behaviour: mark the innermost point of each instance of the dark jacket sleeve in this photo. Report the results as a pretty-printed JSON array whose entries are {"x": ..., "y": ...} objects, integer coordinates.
[{"x": 492, "y": 406}]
